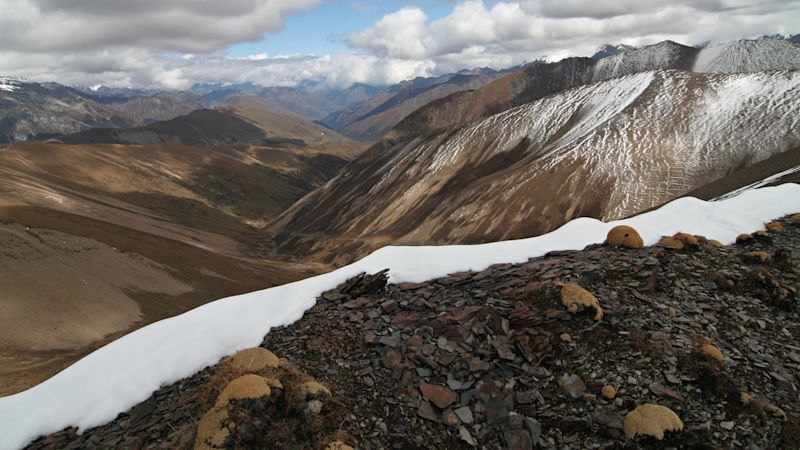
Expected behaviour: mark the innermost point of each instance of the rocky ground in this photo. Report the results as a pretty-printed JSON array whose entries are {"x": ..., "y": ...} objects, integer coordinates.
[{"x": 496, "y": 360}]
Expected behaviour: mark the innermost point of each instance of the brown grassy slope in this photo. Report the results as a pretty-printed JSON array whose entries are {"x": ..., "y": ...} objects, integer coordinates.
[
  {"x": 98, "y": 240},
  {"x": 281, "y": 127}
]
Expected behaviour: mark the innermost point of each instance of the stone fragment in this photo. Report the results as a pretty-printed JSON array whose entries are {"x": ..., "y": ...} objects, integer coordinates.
[
  {"x": 565, "y": 337},
  {"x": 517, "y": 439},
  {"x": 389, "y": 306},
  {"x": 450, "y": 418},
  {"x": 498, "y": 407},
  {"x": 608, "y": 417},
  {"x": 534, "y": 429},
  {"x": 465, "y": 414},
  {"x": 572, "y": 385},
  {"x": 744, "y": 237},
  {"x": 659, "y": 389},
  {"x": 463, "y": 433},
  {"x": 426, "y": 411},
  {"x": 503, "y": 348},
  {"x": 609, "y": 392},
  {"x": 357, "y": 303},
  {"x": 439, "y": 395},
  {"x": 392, "y": 359}
]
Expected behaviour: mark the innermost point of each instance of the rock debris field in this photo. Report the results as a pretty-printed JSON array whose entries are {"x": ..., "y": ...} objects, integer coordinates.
[{"x": 686, "y": 344}]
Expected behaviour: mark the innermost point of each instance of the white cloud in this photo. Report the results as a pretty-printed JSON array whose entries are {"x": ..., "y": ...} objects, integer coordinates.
[
  {"x": 399, "y": 35},
  {"x": 181, "y": 25},
  {"x": 513, "y": 32},
  {"x": 160, "y": 43}
]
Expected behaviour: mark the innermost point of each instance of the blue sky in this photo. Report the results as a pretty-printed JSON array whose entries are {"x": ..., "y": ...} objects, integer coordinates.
[{"x": 322, "y": 30}]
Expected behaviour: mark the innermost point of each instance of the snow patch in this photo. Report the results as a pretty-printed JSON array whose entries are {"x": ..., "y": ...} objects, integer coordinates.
[
  {"x": 125, "y": 372},
  {"x": 11, "y": 84},
  {"x": 749, "y": 56},
  {"x": 757, "y": 184}
]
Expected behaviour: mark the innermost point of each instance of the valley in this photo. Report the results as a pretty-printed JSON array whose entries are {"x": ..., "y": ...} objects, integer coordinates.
[
  {"x": 123, "y": 208},
  {"x": 99, "y": 239}
]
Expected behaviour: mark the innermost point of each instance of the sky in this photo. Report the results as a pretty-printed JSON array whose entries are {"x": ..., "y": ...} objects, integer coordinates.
[{"x": 173, "y": 44}]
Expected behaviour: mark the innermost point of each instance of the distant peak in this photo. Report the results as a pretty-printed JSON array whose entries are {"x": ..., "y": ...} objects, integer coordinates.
[
  {"x": 606, "y": 50},
  {"x": 11, "y": 83}
]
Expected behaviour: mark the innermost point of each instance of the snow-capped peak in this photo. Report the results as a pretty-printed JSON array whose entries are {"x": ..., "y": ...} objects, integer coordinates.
[
  {"x": 11, "y": 83},
  {"x": 748, "y": 55}
]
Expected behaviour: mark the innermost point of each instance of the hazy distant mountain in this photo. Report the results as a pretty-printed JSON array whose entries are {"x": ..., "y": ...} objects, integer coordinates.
[
  {"x": 30, "y": 110},
  {"x": 607, "y": 50},
  {"x": 371, "y": 118},
  {"x": 225, "y": 125},
  {"x": 310, "y": 100}
]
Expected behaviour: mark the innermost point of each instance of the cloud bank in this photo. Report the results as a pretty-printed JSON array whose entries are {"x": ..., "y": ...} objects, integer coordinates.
[{"x": 173, "y": 44}]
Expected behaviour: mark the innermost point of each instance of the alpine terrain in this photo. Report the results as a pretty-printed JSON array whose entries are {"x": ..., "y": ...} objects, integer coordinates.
[{"x": 395, "y": 247}]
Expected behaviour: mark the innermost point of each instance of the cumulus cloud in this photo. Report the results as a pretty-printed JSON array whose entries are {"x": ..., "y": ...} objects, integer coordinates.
[
  {"x": 182, "y": 25},
  {"x": 174, "y": 44},
  {"x": 149, "y": 69},
  {"x": 514, "y": 32}
]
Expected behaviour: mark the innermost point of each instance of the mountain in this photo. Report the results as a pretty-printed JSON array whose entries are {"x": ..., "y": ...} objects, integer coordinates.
[
  {"x": 34, "y": 111},
  {"x": 144, "y": 109},
  {"x": 30, "y": 110},
  {"x": 309, "y": 100},
  {"x": 604, "y": 150},
  {"x": 225, "y": 125},
  {"x": 541, "y": 80},
  {"x": 749, "y": 55},
  {"x": 487, "y": 335},
  {"x": 371, "y": 118},
  {"x": 107, "y": 238},
  {"x": 606, "y": 50}
]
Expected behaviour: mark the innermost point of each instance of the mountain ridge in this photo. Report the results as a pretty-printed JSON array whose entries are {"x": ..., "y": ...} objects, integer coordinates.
[{"x": 617, "y": 136}]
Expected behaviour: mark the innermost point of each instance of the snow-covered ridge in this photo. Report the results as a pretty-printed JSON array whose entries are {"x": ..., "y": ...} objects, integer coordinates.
[
  {"x": 748, "y": 56},
  {"x": 116, "y": 377},
  {"x": 11, "y": 83}
]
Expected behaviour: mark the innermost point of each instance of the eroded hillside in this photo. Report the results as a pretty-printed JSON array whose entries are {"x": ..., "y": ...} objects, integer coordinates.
[{"x": 605, "y": 150}]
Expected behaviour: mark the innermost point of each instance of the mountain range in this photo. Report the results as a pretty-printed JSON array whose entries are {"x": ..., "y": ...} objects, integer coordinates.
[
  {"x": 134, "y": 205},
  {"x": 605, "y": 150}
]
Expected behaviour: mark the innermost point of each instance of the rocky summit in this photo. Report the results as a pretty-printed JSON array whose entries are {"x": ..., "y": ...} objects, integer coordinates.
[{"x": 667, "y": 346}]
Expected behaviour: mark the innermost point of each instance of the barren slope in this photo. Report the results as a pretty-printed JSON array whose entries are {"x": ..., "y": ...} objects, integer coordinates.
[
  {"x": 603, "y": 150},
  {"x": 541, "y": 80},
  {"x": 96, "y": 240},
  {"x": 226, "y": 126}
]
